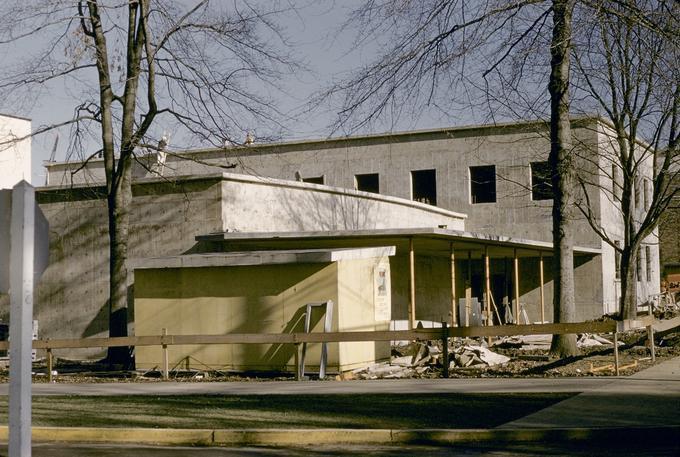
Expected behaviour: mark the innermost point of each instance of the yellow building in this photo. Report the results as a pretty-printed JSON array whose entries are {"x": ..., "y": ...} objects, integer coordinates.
[{"x": 263, "y": 292}]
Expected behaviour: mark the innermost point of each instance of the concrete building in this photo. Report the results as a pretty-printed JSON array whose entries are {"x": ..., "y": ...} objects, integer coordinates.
[
  {"x": 15, "y": 151},
  {"x": 469, "y": 191},
  {"x": 494, "y": 174}
]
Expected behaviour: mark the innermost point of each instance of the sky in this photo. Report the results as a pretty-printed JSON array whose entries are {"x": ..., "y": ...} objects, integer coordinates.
[{"x": 313, "y": 30}]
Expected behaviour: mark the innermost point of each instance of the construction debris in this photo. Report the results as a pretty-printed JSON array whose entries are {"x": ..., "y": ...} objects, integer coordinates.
[{"x": 591, "y": 340}]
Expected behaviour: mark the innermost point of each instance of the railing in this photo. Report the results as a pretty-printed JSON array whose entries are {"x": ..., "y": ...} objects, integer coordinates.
[{"x": 297, "y": 339}]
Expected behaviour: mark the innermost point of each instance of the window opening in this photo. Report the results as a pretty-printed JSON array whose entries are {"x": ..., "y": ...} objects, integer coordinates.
[
  {"x": 541, "y": 181},
  {"x": 367, "y": 183},
  {"x": 424, "y": 186},
  {"x": 483, "y": 184}
]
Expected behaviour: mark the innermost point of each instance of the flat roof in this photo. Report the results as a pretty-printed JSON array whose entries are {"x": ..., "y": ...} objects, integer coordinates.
[
  {"x": 228, "y": 259},
  {"x": 426, "y": 240}
]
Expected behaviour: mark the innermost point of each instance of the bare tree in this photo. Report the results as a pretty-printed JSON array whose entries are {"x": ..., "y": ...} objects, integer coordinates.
[
  {"x": 627, "y": 70},
  {"x": 561, "y": 164},
  {"x": 447, "y": 54},
  {"x": 139, "y": 67}
]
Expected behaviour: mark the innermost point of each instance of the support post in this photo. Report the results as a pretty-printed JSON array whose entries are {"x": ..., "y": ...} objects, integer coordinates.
[
  {"x": 22, "y": 257},
  {"x": 445, "y": 350},
  {"x": 616, "y": 353},
  {"x": 298, "y": 364},
  {"x": 50, "y": 365},
  {"x": 540, "y": 266},
  {"x": 650, "y": 336},
  {"x": 411, "y": 285},
  {"x": 468, "y": 290},
  {"x": 166, "y": 369},
  {"x": 515, "y": 265},
  {"x": 487, "y": 279},
  {"x": 454, "y": 298}
]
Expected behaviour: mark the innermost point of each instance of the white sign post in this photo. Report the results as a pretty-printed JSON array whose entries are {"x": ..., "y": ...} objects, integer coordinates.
[{"x": 26, "y": 229}]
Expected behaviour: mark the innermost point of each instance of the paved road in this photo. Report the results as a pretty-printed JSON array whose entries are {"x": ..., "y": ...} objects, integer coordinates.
[{"x": 487, "y": 450}]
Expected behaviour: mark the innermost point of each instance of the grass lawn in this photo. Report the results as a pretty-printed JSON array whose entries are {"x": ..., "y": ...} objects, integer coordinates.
[{"x": 286, "y": 411}]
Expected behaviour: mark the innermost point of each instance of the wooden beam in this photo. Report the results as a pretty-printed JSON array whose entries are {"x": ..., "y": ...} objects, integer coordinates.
[
  {"x": 411, "y": 285},
  {"x": 540, "y": 266},
  {"x": 516, "y": 285},
  {"x": 454, "y": 298}
]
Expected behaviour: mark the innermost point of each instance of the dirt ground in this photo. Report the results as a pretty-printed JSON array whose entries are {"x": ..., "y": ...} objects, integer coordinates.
[{"x": 528, "y": 359}]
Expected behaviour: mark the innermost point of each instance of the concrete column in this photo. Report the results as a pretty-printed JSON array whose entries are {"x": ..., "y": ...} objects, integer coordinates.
[
  {"x": 540, "y": 266},
  {"x": 516, "y": 271}
]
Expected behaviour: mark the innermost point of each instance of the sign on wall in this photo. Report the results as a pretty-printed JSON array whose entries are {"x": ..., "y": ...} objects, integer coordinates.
[{"x": 382, "y": 292}]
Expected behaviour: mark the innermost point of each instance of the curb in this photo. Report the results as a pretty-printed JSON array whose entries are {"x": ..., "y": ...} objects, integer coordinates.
[{"x": 302, "y": 437}]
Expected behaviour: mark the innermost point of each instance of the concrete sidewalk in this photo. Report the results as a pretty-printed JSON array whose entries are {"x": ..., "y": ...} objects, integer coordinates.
[{"x": 648, "y": 398}]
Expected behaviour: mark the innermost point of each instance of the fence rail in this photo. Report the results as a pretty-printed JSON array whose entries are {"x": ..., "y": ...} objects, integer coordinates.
[
  {"x": 441, "y": 333},
  {"x": 331, "y": 337}
]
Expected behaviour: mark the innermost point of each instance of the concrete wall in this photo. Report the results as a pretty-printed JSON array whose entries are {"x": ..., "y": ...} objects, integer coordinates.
[
  {"x": 165, "y": 219},
  {"x": 267, "y": 205},
  {"x": 71, "y": 300},
  {"x": 15, "y": 158}
]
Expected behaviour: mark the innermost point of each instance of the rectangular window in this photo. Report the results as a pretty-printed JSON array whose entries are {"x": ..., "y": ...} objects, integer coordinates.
[
  {"x": 616, "y": 185},
  {"x": 647, "y": 192},
  {"x": 638, "y": 265},
  {"x": 617, "y": 259},
  {"x": 636, "y": 186},
  {"x": 424, "y": 186},
  {"x": 483, "y": 184},
  {"x": 541, "y": 181},
  {"x": 367, "y": 183},
  {"x": 648, "y": 258},
  {"x": 314, "y": 180}
]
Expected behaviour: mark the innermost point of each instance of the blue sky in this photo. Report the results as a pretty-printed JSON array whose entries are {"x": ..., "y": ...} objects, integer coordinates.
[{"x": 314, "y": 32}]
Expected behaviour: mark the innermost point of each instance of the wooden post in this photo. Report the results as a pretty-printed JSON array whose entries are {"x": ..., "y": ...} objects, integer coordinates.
[
  {"x": 650, "y": 336},
  {"x": 516, "y": 271},
  {"x": 468, "y": 290},
  {"x": 445, "y": 350},
  {"x": 50, "y": 365},
  {"x": 487, "y": 279},
  {"x": 454, "y": 298},
  {"x": 540, "y": 266},
  {"x": 166, "y": 369},
  {"x": 298, "y": 364},
  {"x": 616, "y": 353},
  {"x": 411, "y": 285}
]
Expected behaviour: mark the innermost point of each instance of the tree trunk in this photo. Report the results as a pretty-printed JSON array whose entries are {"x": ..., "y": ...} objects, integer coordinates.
[
  {"x": 119, "y": 216},
  {"x": 562, "y": 177},
  {"x": 628, "y": 305}
]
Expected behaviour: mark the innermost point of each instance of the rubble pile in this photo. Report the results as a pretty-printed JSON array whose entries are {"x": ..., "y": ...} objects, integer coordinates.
[{"x": 425, "y": 357}]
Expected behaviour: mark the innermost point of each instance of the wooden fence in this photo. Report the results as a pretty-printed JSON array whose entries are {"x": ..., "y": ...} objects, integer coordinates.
[{"x": 442, "y": 333}]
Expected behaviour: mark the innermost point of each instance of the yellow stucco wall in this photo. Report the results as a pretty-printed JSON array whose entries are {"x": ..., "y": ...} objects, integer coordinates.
[{"x": 256, "y": 299}]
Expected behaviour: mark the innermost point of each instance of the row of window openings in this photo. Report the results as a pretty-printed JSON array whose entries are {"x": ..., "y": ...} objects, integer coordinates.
[
  {"x": 482, "y": 183},
  {"x": 638, "y": 264},
  {"x": 642, "y": 188}
]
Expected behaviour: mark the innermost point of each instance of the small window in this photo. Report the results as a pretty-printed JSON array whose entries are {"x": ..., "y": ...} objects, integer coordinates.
[
  {"x": 314, "y": 180},
  {"x": 367, "y": 183},
  {"x": 648, "y": 258},
  {"x": 541, "y": 181},
  {"x": 483, "y": 184},
  {"x": 616, "y": 185},
  {"x": 617, "y": 259},
  {"x": 647, "y": 192},
  {"x": 636, "y": 184},
  {"x": 424, "y": 186},
  {"x": 638, "y": 265}
]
